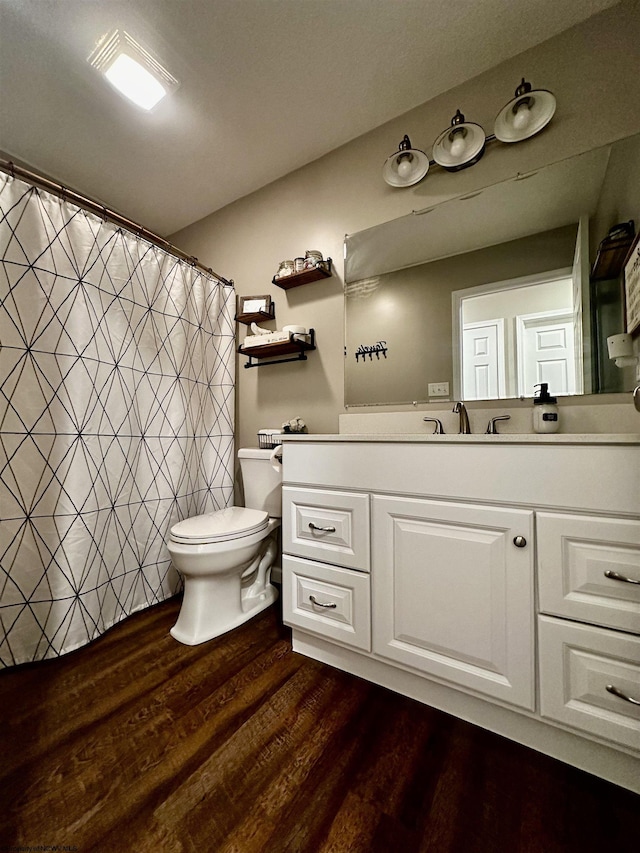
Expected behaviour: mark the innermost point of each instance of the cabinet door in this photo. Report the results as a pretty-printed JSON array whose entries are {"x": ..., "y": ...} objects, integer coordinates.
[{"x": 453, "y": 593}]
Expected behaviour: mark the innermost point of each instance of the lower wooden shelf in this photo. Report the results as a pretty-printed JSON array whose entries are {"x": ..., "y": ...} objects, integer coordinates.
[{"x": 293, "y": 350}]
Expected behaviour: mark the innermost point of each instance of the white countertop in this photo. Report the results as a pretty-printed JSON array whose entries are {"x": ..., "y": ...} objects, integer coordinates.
[{"x": 483, "y": 438}]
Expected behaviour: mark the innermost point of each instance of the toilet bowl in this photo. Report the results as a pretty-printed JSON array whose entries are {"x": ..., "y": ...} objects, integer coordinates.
[{"x": 225, "y": 557}]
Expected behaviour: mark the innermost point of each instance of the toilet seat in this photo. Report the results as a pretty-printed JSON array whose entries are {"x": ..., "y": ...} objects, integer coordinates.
[{"x": 234, "y": 522}]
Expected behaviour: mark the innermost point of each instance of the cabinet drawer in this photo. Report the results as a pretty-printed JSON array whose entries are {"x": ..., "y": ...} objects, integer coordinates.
[
  {"x": 577, "y": 662},
  {"x": 575, "y": 556},
  {"x": 326, "y": 525},
  {"x": 326, "y": 600}
]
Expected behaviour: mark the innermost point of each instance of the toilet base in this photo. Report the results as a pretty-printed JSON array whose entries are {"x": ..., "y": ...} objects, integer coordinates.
[{"x": 251, "y": 606}]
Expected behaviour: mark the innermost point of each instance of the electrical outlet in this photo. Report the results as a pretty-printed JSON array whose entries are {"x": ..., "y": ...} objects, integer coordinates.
[{"x": 438, "y": 389}]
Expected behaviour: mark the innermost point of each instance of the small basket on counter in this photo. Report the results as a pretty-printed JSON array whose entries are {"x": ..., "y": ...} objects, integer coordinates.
[{"x": 269, "y": 438}]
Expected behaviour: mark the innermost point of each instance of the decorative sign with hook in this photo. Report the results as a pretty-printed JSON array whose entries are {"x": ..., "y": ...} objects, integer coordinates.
[{"x": 365, "y": 350}]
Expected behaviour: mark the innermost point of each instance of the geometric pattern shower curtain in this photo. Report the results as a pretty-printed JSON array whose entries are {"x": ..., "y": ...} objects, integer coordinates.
[{"x": 117, "y": 371}]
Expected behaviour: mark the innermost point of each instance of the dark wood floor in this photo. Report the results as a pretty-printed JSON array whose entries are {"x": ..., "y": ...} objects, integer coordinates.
[{"x": 137, "y": 743}]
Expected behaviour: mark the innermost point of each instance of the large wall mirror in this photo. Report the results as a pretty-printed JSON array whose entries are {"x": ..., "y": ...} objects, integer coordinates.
[{"x": 460, "y": 300}]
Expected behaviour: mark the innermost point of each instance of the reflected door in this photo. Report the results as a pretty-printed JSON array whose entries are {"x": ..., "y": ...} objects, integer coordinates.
[
  {"x": 483, "y": 373},
  {"x": 546, "y": 352}
]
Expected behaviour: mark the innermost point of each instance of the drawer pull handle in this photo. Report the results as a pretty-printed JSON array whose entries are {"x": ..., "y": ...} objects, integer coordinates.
[
  {"x": 519, "y": 541},
  {"x": 313, "y": 526},
  {"x": 615, "y": 576},
  {"x": 315, "y": 601},
  {"x": 621, "y": 695}
]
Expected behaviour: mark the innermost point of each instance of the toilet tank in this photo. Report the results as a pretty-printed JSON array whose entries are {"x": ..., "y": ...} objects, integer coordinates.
[{"x": 262, "y": 482}]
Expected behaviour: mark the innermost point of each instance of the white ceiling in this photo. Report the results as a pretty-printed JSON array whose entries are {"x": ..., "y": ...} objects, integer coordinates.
[{"x": 266, "y": 86}]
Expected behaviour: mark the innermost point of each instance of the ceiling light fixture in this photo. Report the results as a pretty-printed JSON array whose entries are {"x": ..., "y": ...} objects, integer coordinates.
[
  {"x": 131, "y": 69},
  {"x": 463, "y": 143}
]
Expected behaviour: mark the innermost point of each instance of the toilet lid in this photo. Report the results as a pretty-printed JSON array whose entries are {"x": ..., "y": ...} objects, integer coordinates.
[{"x": 223, "y": 524}]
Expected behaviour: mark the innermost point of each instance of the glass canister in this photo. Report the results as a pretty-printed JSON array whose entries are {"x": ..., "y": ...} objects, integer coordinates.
[{"x": 286, "y": 268}]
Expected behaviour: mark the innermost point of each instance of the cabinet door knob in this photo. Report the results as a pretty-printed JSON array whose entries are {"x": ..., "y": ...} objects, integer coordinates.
[{"x": 520, "y": 542}]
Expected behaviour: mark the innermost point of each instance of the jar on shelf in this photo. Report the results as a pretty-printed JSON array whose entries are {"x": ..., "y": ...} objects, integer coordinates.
[
  {"x": 298, "y": 264},
  {"x": 286, "y": 268},
  {"x": 312, "y": 259}
]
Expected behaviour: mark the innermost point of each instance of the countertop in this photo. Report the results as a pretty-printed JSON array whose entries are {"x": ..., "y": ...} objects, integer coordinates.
[{"x": 454, "y": 438}]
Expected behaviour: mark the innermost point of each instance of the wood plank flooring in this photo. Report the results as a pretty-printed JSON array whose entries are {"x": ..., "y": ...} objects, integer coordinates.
[{"x": 138, "y": 743}]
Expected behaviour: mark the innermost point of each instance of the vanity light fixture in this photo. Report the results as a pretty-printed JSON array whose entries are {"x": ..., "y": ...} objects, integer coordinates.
[
  {"x": 460, "y": 145},
  {"x": 463, "y": 144},
  {"x": 131, "y": 69},
  {"x": 406, "y": 166},
  {"x": 525, "y": 115}
]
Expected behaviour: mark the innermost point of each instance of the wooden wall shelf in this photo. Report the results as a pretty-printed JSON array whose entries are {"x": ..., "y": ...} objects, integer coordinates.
[
  {"x": 293, "y": 350},
  {"x": 321, "y": 270},
  {"x": 256, "y": 316}
]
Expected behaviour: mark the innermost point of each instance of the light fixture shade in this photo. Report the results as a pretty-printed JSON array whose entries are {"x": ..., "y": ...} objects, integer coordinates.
[
  {"x": 406, "y": 167},
  {"x": 525, "y": 115},
  {"x": 460, "y": 145}
]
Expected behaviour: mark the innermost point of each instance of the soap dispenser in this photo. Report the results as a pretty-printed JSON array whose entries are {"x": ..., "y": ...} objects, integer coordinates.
[{"x": 545, "y": 411}]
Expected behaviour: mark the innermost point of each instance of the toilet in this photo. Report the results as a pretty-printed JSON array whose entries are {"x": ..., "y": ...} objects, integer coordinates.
[{"x": 225, "y": 557}]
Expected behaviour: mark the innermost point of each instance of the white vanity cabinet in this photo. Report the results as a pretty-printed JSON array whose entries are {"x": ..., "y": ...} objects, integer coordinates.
[{"x": 491, "y": 579}]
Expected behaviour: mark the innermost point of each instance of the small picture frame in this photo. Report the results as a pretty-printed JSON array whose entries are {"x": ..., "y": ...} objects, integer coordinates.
[
  {"x": 254, "y": 308},
  {"x": 632, "y": 286}
]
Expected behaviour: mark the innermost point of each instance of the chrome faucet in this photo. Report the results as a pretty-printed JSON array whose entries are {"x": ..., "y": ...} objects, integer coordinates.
[
  {"x": 465, "y": 427},
  {"x": 438, "y": 430},
  {"x": 492, "y": 429}
]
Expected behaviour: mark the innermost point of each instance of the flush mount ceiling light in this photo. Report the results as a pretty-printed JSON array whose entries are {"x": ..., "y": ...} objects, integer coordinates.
[
  {"x": 131, "y": 69},
  {"x": 463, "y": 144},
  {"x": 406, "y": 167},
  {"x": 525, "y": 115},
  {"x": 460, "y": 145}
]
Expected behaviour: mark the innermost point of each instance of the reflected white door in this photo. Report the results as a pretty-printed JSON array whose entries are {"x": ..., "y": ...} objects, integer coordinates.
[
  {"x": 546, "y": 352},
  {"x": 483, "y": 374}
]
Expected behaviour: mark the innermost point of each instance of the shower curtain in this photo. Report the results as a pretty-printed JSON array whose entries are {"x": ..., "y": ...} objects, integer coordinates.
[{"x": 117, "y": 373}]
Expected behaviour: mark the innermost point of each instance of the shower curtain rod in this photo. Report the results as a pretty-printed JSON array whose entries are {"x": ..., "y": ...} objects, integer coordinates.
[{"x": 14, "y": 170}]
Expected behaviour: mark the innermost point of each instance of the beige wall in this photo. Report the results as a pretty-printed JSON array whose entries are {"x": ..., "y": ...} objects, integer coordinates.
[{"x": 591, "y": 69}]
